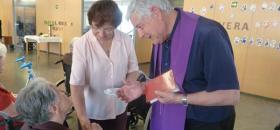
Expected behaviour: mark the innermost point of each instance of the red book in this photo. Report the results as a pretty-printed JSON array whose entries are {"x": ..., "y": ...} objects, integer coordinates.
[{"x": 164, "y": 82}]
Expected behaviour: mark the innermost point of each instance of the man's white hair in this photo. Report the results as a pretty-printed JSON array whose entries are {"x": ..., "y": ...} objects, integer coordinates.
[
  {"x": 142, "y": 7},
  {"x": 3, "y": 50}
]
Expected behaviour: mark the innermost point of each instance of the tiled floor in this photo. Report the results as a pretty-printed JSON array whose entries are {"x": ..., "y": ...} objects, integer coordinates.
[{"x": 253, "y": 112}]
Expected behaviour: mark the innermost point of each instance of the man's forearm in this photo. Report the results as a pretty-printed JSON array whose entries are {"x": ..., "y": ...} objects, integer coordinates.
[{"x": 215, "y": 98}]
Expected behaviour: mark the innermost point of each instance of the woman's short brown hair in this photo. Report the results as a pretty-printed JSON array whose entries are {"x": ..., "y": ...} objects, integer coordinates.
[{"x": 104, "y": 11}]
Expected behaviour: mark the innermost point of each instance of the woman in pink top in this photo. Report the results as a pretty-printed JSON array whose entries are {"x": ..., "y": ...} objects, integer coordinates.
[{"x": 103, "y": 58}]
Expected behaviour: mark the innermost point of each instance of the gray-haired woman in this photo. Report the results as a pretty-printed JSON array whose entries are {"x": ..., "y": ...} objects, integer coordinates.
[{"x": 44, "y": 107}]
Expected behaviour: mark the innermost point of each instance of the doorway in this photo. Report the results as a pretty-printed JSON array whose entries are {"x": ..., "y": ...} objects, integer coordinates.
[{"x": 25, "y": 20}]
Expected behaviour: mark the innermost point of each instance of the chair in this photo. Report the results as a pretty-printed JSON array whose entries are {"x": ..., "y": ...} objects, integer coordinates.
[
  {"x": 139, "y": 108},
  {"x": 66, "y": 65}
]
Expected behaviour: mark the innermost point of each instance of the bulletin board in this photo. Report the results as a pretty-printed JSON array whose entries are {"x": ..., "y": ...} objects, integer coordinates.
[{"x": 254, "y": 30}]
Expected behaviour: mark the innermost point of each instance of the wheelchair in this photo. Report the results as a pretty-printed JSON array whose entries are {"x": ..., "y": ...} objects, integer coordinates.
[
  {"x": 138, "y": 109},
  {"x": 65, "y": 81},
  {"x": 67, "y": 72}
]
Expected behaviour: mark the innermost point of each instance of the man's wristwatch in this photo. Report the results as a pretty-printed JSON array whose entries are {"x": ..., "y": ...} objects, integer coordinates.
[{"x": 184, "y": 100}]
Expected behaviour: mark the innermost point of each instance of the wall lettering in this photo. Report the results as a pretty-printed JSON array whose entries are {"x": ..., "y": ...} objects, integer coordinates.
[{"x": 236, "y": 26}]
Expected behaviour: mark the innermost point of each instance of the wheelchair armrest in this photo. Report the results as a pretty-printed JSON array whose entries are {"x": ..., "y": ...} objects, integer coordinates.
[{"x": 59, "y": 61}]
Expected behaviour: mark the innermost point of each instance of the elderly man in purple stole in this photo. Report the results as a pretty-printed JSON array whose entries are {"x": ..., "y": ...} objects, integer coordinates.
[{"x": 199, "y": 53}]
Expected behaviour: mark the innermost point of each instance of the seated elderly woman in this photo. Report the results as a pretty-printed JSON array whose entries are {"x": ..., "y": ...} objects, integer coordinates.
[
  {"x": 7, "y": 98},
  {"x": 44, "y": 107}
]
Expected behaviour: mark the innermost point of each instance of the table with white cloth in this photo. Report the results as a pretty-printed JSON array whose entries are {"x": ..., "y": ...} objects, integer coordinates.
[{"x": 41, "y": 39}]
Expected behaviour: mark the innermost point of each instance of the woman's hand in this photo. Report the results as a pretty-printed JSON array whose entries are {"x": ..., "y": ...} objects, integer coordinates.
[
  {"x": 95, "y": 126},
  {"x": 85, "y": 123},
  {"x": 130, "y": 91}
]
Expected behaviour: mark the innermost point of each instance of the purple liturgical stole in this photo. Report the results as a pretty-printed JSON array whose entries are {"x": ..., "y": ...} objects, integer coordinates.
[{"x": 173, "y": 116}]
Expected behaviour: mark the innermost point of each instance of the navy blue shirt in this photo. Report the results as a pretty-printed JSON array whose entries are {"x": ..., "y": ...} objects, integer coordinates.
[{"x": 211, "y": 67}]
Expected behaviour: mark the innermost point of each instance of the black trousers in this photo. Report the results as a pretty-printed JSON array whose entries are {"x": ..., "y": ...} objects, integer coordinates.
[
  {"x": 226, "y": 124},
  {"x": 277, "y": 127}
]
